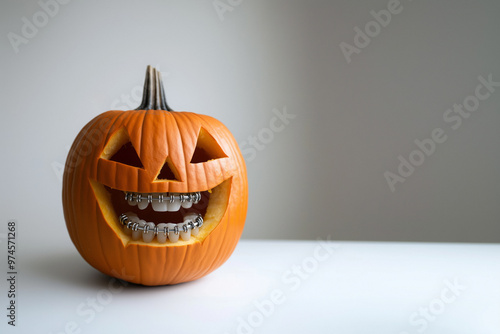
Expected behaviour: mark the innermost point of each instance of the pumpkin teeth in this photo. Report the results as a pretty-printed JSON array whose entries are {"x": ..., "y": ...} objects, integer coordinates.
[
  {"x": 138, "y": 228},
  {"x": 163, "y": 202}
]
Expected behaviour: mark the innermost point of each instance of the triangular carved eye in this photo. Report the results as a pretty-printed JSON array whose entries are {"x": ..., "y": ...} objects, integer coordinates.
[
  {"x": 168, "y": 172},
  {"x": 120, "y": 149},
  {"x": 127, "y": 156},
  {"x": 207, "y": 148}
]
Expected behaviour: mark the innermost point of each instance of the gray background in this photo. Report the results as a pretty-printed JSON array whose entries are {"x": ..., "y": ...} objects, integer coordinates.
[{"x": 323, "y": 174}]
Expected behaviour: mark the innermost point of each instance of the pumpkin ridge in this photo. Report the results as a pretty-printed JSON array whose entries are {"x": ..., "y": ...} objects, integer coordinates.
[
  {"x": 99, "y": 227},
  {"x": 79, "y": 182},
  {"x": 183, "y": 158},
  {"x": 185, "y": 147}
]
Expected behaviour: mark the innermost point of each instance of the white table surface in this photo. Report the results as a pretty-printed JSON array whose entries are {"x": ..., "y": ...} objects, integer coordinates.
[{"x": 273, "y": 287}]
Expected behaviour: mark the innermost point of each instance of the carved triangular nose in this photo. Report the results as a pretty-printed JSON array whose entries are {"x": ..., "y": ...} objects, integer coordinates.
[{"x": 168, "y": 172}]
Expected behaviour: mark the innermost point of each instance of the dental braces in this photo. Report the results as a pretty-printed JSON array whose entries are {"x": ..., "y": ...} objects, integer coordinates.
[
  {"x": 126, "y": 222},
  {"x": 191, "y": 197}
]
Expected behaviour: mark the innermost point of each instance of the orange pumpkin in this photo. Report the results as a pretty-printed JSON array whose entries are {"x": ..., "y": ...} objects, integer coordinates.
[{"x": 153, "y": 196}]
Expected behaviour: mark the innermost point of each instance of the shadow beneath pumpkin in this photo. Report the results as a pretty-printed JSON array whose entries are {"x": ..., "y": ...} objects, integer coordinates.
[{"x": 68, "y": 268}]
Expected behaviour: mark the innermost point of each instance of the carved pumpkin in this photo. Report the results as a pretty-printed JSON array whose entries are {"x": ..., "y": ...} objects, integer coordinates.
[{"x": 153, "y": 196}]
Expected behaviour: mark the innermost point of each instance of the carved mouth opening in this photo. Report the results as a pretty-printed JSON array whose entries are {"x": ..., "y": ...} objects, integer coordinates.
[{"x": 163, "y": 219}]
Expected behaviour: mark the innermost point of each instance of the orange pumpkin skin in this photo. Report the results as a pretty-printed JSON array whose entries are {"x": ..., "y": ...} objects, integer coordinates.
[{"x": 156, "y": 135}]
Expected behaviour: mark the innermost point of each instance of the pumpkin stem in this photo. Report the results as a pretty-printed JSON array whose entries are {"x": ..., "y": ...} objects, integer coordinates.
[{"x": 153, "y": 97}]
